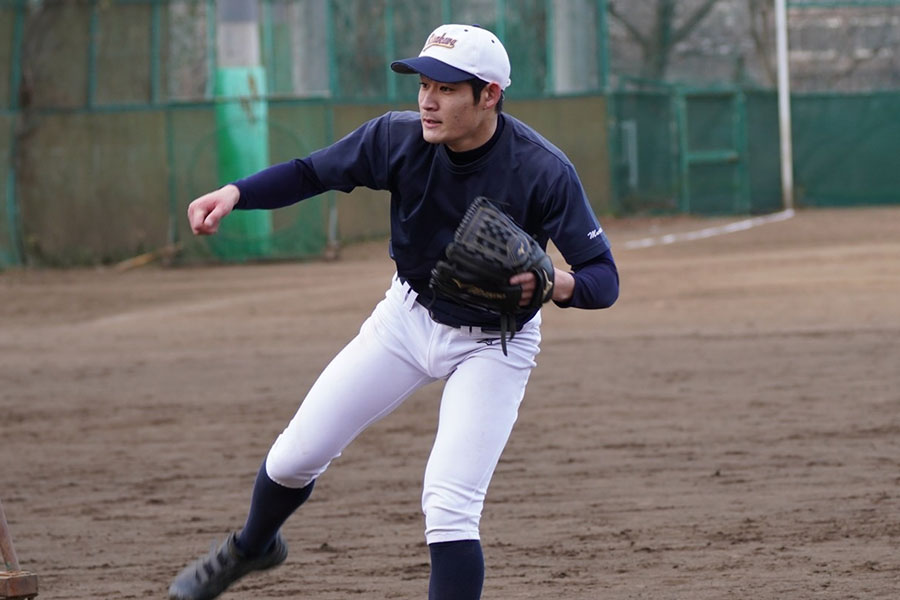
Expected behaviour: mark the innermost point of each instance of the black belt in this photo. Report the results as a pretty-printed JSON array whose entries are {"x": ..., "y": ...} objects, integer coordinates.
[{"x": 507, "y": 321}]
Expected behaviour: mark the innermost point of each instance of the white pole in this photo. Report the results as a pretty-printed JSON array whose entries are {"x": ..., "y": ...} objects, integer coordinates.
[{"x": 784, "y": 106}]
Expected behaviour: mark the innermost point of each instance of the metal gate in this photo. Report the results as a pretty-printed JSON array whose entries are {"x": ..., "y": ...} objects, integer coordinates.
[{"x": 713, "y": 155}]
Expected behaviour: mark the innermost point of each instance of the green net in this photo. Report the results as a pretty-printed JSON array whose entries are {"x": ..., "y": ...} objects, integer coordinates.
[
  {"x": 846, "y": 149},
  {"x": 9, "y": 250},
  {"x": 108, "y": 110}
]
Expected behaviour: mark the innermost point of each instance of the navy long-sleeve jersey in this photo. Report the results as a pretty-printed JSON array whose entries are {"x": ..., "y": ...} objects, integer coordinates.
[{"x": 531, "y": 179}]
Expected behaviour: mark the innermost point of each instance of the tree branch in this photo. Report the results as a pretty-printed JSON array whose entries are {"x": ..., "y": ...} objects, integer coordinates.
[
  {"x": 692, "y": 21},
  {"x": 632, "y": 30}
]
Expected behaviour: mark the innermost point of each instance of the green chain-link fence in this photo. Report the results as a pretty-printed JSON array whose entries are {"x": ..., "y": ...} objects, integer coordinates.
[{"x": 111, "y": 121}]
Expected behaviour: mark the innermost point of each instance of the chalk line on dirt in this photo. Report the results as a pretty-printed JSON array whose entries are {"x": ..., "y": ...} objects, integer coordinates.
[{"x": 708, "y": 232}]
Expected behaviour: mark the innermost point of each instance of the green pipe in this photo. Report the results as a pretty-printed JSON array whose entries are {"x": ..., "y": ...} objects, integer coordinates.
[
  {"x": 612, "y": 107},
  {"x": 390, "y": 49},
  {"x": 742, "y": 147},
  {"x": 14, "y": 257},
  {"x": 333, "y": 233},
  {"x": 333, "y": 81},
  {"x": 500, "y": 28},
  {"x": 170, "y": 166},
  {"x": 268, "y": 45},
  {"x": 16, "y": 254},
  {"x": 447, "y": 11},
  {"x": 550, "y": 71},
  {"x": 209, "y": 92},
  {"x": 15, "y": 73},
  {"x": 612, "y": 142},
  {"x": 684, "y": 200},
  {"x": 155, "y": 83},
  {"x": 94, "y": 25},
  {"x": 603, "y": 44}
]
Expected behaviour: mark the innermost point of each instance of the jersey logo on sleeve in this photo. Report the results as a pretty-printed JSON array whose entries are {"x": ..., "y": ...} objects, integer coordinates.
[{"x": 593, "y": 234}]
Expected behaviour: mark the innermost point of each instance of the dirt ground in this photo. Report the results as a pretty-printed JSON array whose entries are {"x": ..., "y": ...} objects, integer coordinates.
[{"x": 730, "y": 429}]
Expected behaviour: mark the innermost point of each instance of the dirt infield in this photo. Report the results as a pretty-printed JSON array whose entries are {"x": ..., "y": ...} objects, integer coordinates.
[{"x": 730, "y": 429}]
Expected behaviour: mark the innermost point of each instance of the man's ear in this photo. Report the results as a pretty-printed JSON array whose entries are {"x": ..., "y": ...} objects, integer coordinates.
[{"x": 491, "y": 94}]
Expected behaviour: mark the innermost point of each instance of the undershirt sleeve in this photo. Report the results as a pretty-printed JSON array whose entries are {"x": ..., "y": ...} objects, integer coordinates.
[
  {"x": 596, "y": 283},
  {"x": 356, "y": 160},
  {"x": 279, "y": 185}
]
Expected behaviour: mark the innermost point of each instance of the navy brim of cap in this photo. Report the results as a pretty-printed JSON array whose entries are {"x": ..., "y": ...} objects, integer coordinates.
[{"x": 431, "y": 68}]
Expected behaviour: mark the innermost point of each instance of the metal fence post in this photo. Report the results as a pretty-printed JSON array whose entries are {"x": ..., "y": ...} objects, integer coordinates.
[{"x": 16, "y": 251}]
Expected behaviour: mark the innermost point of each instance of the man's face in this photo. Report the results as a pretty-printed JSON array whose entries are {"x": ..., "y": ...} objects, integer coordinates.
[{"x": 450, "y": 115}]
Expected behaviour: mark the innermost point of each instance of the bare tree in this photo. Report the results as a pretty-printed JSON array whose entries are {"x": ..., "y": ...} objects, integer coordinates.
[
  {"x": 762, "y": 31},
  {"x": 658, "y": 40},
  {"x": 869, "y": 42},
  {"x": 840, "y": 48}
]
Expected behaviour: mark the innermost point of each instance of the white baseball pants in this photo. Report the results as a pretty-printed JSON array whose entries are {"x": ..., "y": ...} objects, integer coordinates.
[{"x": 399, "y": 349}]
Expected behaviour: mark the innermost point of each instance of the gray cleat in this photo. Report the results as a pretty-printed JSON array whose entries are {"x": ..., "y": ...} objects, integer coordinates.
[{"x": 211, "y": 575}]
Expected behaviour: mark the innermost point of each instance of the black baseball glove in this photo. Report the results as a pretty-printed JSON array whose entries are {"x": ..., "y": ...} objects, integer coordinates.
[{"x": 487, "y": 249}]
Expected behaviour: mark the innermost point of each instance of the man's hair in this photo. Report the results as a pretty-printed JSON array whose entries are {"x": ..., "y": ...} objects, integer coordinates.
[{"x": 478, "y": 86}]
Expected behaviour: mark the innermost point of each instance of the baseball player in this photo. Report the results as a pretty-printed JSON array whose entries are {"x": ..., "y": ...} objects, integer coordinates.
[{"x": 458, "y": 146}]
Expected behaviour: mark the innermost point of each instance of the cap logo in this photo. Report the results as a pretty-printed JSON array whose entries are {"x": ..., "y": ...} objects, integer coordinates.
[{"x": 439, "y": 40}]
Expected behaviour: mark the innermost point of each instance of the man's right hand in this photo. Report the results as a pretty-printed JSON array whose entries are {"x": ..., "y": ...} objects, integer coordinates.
[{"x": 206, "y": 212}]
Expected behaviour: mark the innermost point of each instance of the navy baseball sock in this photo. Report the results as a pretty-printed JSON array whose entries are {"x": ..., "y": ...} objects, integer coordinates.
[
  {"x": 270, "y": 506},
  {"x": 457, "y": 570}
]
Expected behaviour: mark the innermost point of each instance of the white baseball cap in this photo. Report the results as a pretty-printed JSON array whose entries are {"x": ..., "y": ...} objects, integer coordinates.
[{"x": 455, "y": 53}]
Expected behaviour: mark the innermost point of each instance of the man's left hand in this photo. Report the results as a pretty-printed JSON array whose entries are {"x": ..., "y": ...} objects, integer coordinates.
[{"x": 563, "y": 285}]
